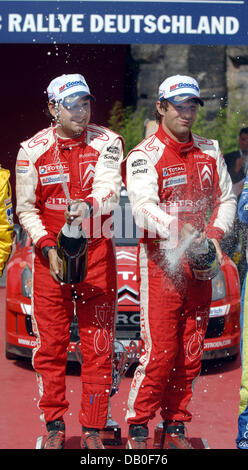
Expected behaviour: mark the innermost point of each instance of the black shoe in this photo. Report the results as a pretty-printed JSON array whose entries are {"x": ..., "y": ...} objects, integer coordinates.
[
  {"x": 137, "y": 436},
  {"x": 175, "y": 436}
]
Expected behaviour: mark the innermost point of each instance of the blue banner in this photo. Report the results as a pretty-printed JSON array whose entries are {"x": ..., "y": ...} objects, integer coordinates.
[{"x": 209, "y": 22}]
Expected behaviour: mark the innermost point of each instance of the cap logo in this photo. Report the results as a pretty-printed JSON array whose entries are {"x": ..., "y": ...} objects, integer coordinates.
[
  {"x": 71, "y": 84},
  {"x": 184, "y": 85}
]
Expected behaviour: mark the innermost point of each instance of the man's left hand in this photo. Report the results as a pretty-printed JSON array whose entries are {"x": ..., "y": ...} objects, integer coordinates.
[
  {"x": 218, "y": 250},
  {"x": 78, "y": 210}
]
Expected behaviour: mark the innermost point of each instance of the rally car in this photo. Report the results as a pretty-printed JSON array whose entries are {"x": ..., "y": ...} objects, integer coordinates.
[{"x": 223, "y": 333}]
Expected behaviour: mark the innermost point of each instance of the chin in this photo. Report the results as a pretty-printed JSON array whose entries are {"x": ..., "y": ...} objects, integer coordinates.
[{"x": 77, "y": 132}]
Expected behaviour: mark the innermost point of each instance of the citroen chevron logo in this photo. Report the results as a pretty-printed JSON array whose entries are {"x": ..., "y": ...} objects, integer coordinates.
[
  {"x": 206, "y": 174},
  {"x": 90, "y": 172},
  {"x": 127, "y": 293},
  {"x": 126, "y": 255}
]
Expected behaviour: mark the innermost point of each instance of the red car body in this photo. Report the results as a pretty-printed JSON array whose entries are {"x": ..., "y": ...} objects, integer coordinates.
[{"x": 223, "y": 333}]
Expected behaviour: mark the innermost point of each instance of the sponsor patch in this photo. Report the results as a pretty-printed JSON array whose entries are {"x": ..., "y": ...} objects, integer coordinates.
[
  {"x": 7, "y": 202},
  {"x": 145, "y": 170},
  {"x": 10, "y": 215},
  {"x": 22, "y": 166},
  {"x": 139, "y": 162},
  {"x": 54, "y": 179},
  {"x": 22, "y": 163},
  {"x": 174, "y": 170},
  {"x": 52, "y": 168},
  {"x": 175, "y": 181},
  {"x": 113, "y": 149}
]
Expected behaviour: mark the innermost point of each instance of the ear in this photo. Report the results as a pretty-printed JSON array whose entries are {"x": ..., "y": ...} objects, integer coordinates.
[
  {"x": 160, "y": 108},
  {"x": 52, "y": 108}
]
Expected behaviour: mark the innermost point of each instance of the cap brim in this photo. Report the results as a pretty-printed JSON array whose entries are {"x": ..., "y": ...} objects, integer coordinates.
[
  {"x": 179, "y": 99},
  {"x": 71, "y": 100}
]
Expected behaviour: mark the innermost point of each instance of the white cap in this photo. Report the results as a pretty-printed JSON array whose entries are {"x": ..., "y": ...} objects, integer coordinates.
[
  {"x": 67, "y": 89},
  {"x": 179, "y": 88}
]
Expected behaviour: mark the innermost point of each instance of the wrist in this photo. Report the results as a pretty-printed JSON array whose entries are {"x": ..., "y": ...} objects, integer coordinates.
[{"x": 46, "y": 249}]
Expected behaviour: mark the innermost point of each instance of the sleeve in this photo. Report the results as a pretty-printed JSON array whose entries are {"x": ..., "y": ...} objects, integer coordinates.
[
  {"x": 142, "y": 188},
  {"x": 243, "y": 203},
  {"x": 105, "y": 194},
  {"x": 223, "y": 201},
  {"x": 27, "y": 209},
  {"x": 6, "y": 218}
]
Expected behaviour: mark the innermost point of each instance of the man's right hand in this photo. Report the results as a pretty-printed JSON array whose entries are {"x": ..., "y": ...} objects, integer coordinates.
[
  {"x": 77, "y": 212},
  {"x": 189, "y": 230},
  {"x": 53, "y": 264}
]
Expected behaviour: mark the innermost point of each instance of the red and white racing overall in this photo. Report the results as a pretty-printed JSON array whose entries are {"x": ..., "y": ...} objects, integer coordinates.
[
  {"x": 162, "y": 174},
  {"x": 91, "y": 169}
]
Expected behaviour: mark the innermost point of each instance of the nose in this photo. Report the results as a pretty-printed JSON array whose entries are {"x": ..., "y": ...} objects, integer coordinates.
[
  {"x": 186, "y": 112},
  {"x": 79, "y": 110}
]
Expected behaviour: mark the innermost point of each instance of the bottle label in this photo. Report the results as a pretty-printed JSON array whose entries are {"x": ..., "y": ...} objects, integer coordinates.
[{"x": 206, "y": 274}]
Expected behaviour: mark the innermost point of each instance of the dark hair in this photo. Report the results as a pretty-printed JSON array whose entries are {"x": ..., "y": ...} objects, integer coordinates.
[
  {"x": 164, "y": 105},
  {"x": 157, "y": 115},
  {"x": 244, "y": 130}
]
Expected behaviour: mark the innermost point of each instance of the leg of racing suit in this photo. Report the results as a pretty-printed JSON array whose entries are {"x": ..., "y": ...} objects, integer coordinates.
[
  {"x": 172, "y": 339},
  {"x": 52, "y": 316},
  {"x": 96, "y": 312},
  {"x": 53, "y": 313},
  {"x": 191, "y": 332}
]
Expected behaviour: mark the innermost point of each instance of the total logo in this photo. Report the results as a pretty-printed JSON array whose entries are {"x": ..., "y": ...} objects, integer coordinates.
[{"x": 47, "y": 169}]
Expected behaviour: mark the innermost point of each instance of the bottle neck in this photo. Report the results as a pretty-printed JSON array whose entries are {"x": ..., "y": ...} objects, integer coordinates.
[
  {"x": 72, "y": 231},
  {"x": 203, "y": 248}
]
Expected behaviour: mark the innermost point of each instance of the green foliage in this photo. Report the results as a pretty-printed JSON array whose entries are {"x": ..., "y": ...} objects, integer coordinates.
[
  {"x": 224, "y": 127},
  {"x": 128, "y": 123}
]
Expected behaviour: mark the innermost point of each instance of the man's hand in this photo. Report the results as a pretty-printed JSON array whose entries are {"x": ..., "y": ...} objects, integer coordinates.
[
  {"x": 77, "y": 213},
  {"x": 53, "y": 264},
  {"x": 188, "y": 231},
  {"x": 218, "y": 250}
]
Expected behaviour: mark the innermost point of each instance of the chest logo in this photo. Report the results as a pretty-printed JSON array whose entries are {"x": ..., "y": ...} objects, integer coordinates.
[
  {"x": 205, "y": 171},
  {"x": 87, "y": 174}
]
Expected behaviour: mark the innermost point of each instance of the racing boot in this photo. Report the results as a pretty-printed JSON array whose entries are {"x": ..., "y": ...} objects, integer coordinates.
[
  {"x": 56, "y": 435},
  {"x": 90, "y": 439},
  {"x": 174, "y": 436},
  {"x": 137, "y": 436}
]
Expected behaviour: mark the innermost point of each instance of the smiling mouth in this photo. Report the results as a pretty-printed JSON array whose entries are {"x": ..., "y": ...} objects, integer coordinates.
[{"x": 185, "y": 123}]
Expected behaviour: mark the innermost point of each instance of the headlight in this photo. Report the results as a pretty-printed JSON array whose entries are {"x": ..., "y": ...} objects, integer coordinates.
[
  {"x": 27, "y": 282},
  {"x": 218, "y": 286}
]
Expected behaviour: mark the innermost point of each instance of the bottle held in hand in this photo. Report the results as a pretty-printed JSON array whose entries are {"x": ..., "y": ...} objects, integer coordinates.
[
  {"x": 203, "y": 260},
  {"x": 72, "y": 252}
]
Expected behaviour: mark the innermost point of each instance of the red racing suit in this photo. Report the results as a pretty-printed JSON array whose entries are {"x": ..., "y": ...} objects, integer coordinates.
[
  {"x": 91, "y": 169},
  {"x": 173, "y": 183}
]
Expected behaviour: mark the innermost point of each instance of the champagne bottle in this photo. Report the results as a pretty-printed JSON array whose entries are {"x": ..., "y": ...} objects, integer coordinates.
[
  {"x": 203, "y": 260},
  {"x": 72, "y": 252}
]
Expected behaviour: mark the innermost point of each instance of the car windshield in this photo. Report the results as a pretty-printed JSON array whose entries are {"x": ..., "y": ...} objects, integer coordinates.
[{"x": 126, "y": 232}]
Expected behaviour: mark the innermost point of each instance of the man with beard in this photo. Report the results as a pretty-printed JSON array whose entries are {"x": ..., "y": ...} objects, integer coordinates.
[{"x": 78, "y": 163}]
